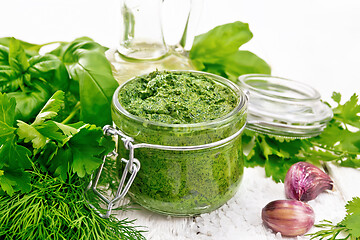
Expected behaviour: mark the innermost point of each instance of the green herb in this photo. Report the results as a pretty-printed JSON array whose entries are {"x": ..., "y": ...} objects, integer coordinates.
[
  {"x": 79, "y": 68},
  {"x": 46, "y": 153},
  {"x": 86, "y": 62},
  {"x": 55, "y": 209},
  {"x": 38, "y": 205},
  {"x": 58, "y": 147},
  {"x": 217, "y": 51},
  {"x": 31, "y": 81},
  {"x": 338, "y": 143},
  {"x": 31, "y": 49},
  {"x": 349, "y": 226},
  {"x": 14, "y": 157}
]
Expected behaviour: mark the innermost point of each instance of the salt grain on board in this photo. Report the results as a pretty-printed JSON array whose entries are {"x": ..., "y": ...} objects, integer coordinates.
[{"x": 239, "y": 218}]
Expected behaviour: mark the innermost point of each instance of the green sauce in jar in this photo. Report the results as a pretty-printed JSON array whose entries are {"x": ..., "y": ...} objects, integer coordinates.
[
  {"x": 182, "y": 108},
  {"x": 173, "y": 97}
]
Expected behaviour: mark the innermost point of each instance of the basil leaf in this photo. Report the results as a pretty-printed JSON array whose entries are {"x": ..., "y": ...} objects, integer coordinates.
[
  {"x": 86, "y": 63},
  {"x": 60, "y": 50},
  {"x": 217, "y": 51},
  {"x": 7, "y": 74},
  {"x": 220, "y": 41},
  {"x": 30, "y": 48},
  {"x": 51, "y": 108},
  {"x": 4, "y": 55},
  {"x": 243, "y": 62},
  {"x": 10, "y": 78},
  {"x": 29, "y": 103},
  {"x": 44, "y": 63},
  {"x": 17, "y": 56},
  {"x": 51, "y": 69}
]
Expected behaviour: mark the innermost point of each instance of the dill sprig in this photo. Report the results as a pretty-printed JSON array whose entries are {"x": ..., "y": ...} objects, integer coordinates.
[{"x": 56, "y": 209}]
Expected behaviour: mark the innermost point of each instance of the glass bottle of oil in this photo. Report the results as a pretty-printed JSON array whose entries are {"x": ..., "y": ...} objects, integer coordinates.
[{"x": 142, "y": 47}]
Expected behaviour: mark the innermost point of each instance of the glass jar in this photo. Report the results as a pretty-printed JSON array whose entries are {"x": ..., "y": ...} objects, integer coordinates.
[
  {"x": 189, "y": 169},
  {"x": 283, "y": 107},
  {"x": 197, "y": 168}
]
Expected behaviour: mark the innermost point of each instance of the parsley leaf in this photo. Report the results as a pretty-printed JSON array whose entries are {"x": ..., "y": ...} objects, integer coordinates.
[
  {"x": 14, "y": 180},
  {"x": 349, "y": 225},
  {"x": 5, "y": 132},
  {"x": 51, "y": 108},
  {"x": 348, "y": 113},
  {"x": 338, "y": 143},
  {"x": 57, "y": 147},
  {"x": 7, "y": 117},
  {"x": 7, "y": 110},
  {"x": 81, "y": 153},
  {"x": 29, "y": 134},
  {"x": 352, "y": 219},
  {"x": 342, "y": 135},
  {"x": 77, "y": 147},
  {"x": 14, "y": 159},
  {"x": 275, "y": 154},
  {"x": 48, "y": 130}
]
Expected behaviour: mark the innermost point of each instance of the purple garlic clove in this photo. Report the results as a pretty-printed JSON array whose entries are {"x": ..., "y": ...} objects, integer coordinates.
[
  {"x": 305, "y": 182},
  {"x": 289, "y": 217}
]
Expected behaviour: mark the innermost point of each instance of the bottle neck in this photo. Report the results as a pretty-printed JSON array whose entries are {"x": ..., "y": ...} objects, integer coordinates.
[{"x": 142, "y": 35}]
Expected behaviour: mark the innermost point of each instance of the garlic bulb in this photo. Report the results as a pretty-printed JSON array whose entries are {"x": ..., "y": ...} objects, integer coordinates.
[
  {"x": 289, "y": 217},
  {"x": 305, "y": 182}
]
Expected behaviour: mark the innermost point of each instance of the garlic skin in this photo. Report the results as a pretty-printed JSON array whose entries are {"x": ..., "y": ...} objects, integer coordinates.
[
  {"x": 289, "y": 217},
  {"x": 305, "y": 182}
]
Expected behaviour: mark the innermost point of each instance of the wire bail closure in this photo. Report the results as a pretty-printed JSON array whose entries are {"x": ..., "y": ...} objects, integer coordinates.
[{"x": 132, "y": 167}]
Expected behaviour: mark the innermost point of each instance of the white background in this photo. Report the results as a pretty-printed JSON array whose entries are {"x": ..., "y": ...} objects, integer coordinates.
[{"x": 313, "y": 41}]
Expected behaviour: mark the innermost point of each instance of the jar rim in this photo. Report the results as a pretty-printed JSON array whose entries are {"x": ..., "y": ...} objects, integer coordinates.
[
  {"x": 283, "y": 107},
  {"x": 241, "y": 105},
  {"x": 279, "y": 88}
]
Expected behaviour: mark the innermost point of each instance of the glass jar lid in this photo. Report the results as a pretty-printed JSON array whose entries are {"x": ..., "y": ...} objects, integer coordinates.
[{"x": 283, "y": 107}]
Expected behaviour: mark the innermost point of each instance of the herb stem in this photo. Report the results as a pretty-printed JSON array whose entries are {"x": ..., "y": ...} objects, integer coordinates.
[
  {"x": 73, "y": 113},
  {"x": 55, "y": 42},
  {"x": 340, "y": 154}
]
